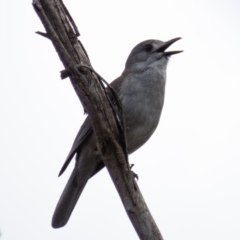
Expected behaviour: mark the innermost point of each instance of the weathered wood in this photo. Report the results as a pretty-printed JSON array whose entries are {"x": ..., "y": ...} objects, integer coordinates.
[{"x": 62, "y": 31}]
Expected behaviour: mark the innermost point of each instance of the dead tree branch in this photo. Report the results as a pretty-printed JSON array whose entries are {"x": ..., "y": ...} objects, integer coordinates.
[{"x": 106, "y": 116}]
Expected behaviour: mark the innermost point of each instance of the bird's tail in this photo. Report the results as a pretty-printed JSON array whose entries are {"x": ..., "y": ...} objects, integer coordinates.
[{"x": 68, "y": 199}]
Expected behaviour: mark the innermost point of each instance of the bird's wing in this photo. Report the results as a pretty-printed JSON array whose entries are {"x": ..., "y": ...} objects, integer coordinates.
[{"x": 84, "y": 131}]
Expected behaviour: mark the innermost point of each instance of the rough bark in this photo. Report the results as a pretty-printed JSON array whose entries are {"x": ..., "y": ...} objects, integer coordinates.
[{"x": 105, "y": 115}]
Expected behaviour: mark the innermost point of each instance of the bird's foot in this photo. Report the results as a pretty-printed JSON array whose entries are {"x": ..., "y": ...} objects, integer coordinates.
[{"x": 134, "y": 174}]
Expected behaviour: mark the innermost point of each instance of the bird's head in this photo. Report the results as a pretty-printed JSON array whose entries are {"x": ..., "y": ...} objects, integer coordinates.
[{"x": 150, "y": 53}]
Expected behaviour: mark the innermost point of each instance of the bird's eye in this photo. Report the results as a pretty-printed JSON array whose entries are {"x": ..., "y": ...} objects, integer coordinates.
[{"x": 148, "y": 48}]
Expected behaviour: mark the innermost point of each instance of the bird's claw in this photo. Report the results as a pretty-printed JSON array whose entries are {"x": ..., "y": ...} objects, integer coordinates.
[{"x": 134, "y": 174}]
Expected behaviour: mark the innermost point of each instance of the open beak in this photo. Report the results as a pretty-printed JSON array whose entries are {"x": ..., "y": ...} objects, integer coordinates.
[{"x": 167, "y": 45}]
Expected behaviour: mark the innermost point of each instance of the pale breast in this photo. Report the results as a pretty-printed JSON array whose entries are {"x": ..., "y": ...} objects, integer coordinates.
[{"x": 142, "y": 106}]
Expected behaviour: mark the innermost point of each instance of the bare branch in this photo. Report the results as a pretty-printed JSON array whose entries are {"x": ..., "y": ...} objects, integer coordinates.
[
  {"x": 104, "y": 110},
  {"x": 43, "y": 34}
]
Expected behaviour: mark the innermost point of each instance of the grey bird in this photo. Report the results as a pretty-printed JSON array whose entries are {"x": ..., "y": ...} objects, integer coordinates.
[{"x": 141, "y": 89}]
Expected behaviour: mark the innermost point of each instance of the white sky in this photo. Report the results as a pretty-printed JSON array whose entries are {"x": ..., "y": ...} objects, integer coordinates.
[{"x": 189, "y": 170}]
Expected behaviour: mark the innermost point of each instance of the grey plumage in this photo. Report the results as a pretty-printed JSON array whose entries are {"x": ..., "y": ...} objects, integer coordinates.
[{"x": 141, "y": 89}]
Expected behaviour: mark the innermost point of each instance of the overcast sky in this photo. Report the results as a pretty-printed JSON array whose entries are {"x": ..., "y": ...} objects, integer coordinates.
[{"x": 189, "y": 170}]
